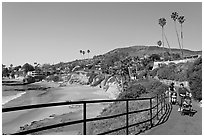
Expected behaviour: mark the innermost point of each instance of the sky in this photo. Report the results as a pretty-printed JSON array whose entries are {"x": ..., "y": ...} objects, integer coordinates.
[{"x": 56, "y": 32}]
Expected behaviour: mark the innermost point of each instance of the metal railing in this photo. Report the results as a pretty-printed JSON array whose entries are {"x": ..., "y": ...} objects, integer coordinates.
[{"x": 160, "y": 100}]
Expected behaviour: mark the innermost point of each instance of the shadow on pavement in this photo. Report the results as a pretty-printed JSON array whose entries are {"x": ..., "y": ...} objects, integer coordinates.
[{"x": 162, "y": 120}]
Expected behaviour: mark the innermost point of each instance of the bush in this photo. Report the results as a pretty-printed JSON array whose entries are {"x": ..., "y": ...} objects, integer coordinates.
[
  {"x": 173, "y": 72},
  {"x": 132, "y": 92},
  {"x": 153, "y": 73},
  {"x": 164, "y": 73},
  {"x": 161, "y": 89},
  {"x": 142, "y": 74},
  {"x": 152, "y": 85},
  {"x": 194, "y": 75}
]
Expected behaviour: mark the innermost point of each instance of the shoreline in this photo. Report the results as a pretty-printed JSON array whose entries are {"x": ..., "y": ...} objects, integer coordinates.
[
  {"x": 12, "y": 122},
  {"x": 6, "y": 99}
]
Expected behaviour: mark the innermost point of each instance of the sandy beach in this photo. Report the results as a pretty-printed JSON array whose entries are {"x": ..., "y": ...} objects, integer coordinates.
[{"x": 12, "y": 121}]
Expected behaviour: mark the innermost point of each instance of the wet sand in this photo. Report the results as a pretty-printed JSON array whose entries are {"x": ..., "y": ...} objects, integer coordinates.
[{"x": 12, "y": 121}]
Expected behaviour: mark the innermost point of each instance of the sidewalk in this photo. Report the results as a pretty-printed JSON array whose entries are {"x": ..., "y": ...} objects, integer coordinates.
[{"x": 180, "y": 125}]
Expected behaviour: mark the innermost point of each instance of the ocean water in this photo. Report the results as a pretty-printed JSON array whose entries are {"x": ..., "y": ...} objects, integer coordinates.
[
  {"x": 12, "y": 92},
  {"x": 6, "y": 99}
]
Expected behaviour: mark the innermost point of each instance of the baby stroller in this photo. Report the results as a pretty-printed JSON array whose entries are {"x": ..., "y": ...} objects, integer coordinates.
[
  {"x": 186, "y": 107},
  {"x": 174, "y": 98}
]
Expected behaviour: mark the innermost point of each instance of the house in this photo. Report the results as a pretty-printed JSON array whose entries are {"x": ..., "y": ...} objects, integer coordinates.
[{"x": 35, "y": 73}]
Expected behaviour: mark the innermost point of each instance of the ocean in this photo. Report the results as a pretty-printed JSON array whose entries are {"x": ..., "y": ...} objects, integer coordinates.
[
  {"x": 12, "y": 92},
  {"x": 6, "y": 99}
]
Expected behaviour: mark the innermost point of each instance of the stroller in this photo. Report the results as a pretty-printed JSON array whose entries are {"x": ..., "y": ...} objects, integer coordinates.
[
  {"x": 186, "y": 107},
  {"x": 174, "y": 98}
]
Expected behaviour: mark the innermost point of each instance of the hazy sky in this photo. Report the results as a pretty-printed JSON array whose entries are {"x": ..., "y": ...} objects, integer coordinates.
[{"x": 55, "y": 32}]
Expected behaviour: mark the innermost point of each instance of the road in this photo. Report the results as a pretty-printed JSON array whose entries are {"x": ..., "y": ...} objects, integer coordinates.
[{"x": 180, "y": 125}]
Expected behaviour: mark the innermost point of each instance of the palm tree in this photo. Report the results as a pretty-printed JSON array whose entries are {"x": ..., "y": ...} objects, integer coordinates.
[
  {"x": 168, "y": 46},
  {"x": 181, "y": 20},
  {"x": 88, "y": 51},
  {"x": 162, "y": 23},
  {"x": 159, "y": 43},
  {"x": 11, "y": 67},
  {"x": 81, "y": 52},
  {"x": 174, "y": 16}
]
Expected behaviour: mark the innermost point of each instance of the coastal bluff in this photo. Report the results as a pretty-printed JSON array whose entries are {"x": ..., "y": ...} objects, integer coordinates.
[{"x": 109, "y": 84}]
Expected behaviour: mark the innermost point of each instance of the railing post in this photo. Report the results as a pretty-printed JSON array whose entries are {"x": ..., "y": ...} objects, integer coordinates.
[
  {"x": 164, "y": 97},
  {"x": 84, "y": 115},
  {"x": 151, "y": 112},
  {"x": 157, "y": 107},
  {"x": 127, "y": 117},
  {"x": 161, "y": 104}
]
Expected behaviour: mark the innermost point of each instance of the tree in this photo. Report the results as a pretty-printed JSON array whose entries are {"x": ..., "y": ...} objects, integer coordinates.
[
  {"x": 5, "y": 72},
  {"x": 159, "y": 43},
  {"x": 11, "y": 66},
  {"x": 81, "y": 52},
  {"x": 155, "y": 57},
  {"x": 181, "y": 20},
  {"x": 27, "y": 67},
  {"x": 162, "y": 23},
  {"x": 3, "y": 66},
  {"x": 88, "y": 51},
  {"x": 168, "y": 45},
  {"x": 17, "y": 68},
  {"x": 174, "y": 16}
]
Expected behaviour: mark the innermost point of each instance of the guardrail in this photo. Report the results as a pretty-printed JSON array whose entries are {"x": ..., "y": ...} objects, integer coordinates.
[{"x": 160, "y": 100}]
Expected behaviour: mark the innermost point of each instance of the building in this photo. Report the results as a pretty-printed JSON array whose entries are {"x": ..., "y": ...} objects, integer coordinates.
[{"x": 35, "y": 73}]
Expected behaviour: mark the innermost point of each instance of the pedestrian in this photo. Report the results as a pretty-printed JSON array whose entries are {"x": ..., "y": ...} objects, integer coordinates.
[
  {"x": 171, "y": 90},
  {"x": 182, "y": 92}
]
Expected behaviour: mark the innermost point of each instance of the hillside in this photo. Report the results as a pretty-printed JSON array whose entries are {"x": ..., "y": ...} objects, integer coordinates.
[{"x": 140, "y": 51}]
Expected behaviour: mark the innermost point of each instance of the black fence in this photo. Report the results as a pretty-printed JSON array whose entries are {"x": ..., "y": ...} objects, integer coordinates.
[{"x": 160, "y": 100}]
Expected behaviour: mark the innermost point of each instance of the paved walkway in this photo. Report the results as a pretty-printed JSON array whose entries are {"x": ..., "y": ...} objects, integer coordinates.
[{"x": 180, "y": 125}]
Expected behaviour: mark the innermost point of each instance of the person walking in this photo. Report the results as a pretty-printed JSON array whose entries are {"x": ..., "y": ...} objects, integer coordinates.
[
  {"x": 182, "y": 92},
  {"x": 171, "y": 90}
]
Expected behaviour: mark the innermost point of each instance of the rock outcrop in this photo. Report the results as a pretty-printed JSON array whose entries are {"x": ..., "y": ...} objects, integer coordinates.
[{"x": 108, "y": 83}]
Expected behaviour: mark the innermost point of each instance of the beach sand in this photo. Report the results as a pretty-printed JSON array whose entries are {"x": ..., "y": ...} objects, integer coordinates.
[{"x": 12, "y": 121}]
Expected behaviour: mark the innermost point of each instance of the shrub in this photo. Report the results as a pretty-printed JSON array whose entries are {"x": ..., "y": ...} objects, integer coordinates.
[
  {"x": 194, "y": 75},
  {"x": 161, "y": 89},
  {"x": 173, "y": 72},
  {"x": 164, "y": 73},
  {"x": 142, "y": 74},
  {"x": 133, "y": 91},
  {"x": 152, "y": 85},
  {"x": 153, "y": 73}
]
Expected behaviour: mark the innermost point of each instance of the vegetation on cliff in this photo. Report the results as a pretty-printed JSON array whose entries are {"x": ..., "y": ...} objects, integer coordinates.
[
  {"x": 194, "y": 77},
  {"x": 135, "y": 90}
]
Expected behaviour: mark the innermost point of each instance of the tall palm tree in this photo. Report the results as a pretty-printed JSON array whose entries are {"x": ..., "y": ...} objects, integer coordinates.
[
  {"x": 81, "y": 52},
  {"x": 159, "y": 43},
  {"x": 174, "y": 16},
  {"x": 11, "y": 67},
  {"x": 168, "y": 45},
  {"x": 88, "y": 51},
  {"x": 162, "y": 23},
  {"x": 181, "y": 20}
]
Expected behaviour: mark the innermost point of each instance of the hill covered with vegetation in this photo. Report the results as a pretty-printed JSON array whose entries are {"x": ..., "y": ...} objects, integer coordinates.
[{"x": 140, "y": 51}]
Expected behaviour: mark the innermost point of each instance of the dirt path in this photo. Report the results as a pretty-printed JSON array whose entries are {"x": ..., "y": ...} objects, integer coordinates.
[{"x": 180, "y": 125}]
